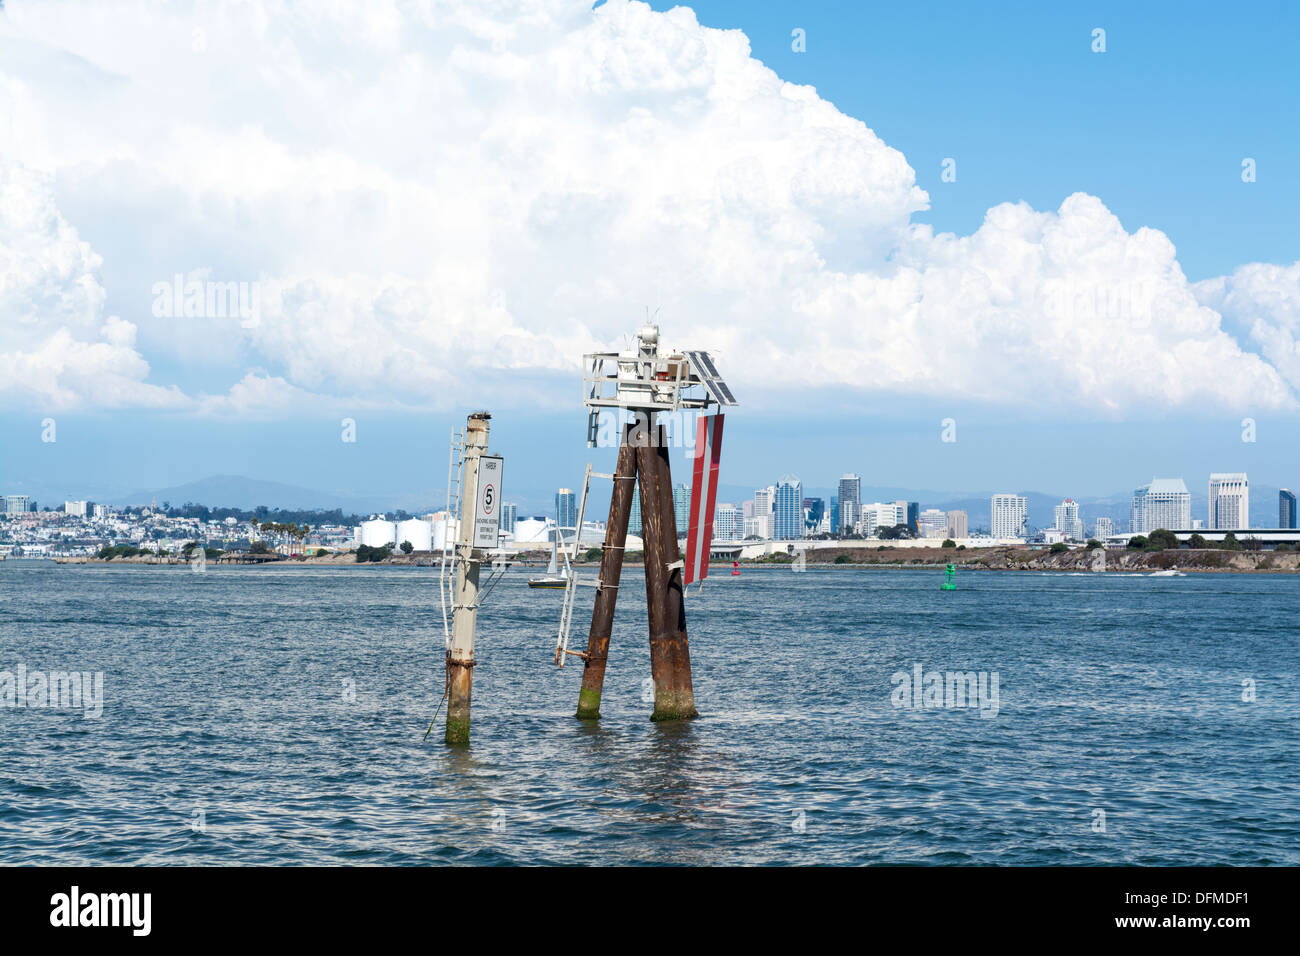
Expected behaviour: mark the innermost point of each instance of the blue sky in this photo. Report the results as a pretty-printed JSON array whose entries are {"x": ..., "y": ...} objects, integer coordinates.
[
  {"x": 1157, "y": 125},
  {"x": 443, "y": 216}
]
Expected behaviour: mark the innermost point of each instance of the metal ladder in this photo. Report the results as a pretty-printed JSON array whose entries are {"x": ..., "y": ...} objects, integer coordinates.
[
  {"x": 571, "y": 573},
  {"x": 447, "y": 563}
]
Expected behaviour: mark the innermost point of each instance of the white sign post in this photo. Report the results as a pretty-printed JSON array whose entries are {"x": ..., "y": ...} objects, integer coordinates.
[{"x": 487, "y": 507}]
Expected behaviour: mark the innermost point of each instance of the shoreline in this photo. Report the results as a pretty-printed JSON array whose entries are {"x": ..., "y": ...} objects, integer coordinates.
[{"x": 986, "y": 559}]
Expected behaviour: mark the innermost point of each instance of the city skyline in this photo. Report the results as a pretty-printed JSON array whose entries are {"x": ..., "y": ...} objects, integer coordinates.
[{"x": 1171, "y": 496}]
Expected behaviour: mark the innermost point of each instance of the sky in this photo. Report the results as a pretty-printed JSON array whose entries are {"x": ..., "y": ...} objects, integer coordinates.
[{"x": 879, "y": 218}]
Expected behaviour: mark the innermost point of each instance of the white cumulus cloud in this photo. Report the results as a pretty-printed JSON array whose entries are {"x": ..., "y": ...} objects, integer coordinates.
[
  {"x": 56, "y": 347},
  {"x": 442, "y": 196}
]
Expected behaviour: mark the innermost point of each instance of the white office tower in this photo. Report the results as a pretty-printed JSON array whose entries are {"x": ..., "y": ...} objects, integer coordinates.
[
  {"x": 1008, "y": 516},
  {"x": 958, "y": 524},
  {"x": 764, "y": 502},
  {"x": 850, "y": 495},
  {"x": 75, "y": 508},
  {"x": 1229, "y": 501},
  {"x": 877, "y": 516},
  {"x": 1164, "y": 503},
  {"x": 728, "y": 523},
  {"x": 1104, "y": 529},
  {"x": 1068, "y": 521},
  {"x": 933, "y": 523}
]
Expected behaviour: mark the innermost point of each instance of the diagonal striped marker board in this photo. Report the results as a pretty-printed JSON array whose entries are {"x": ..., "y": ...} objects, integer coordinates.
[{"x": 704, "y": 497}]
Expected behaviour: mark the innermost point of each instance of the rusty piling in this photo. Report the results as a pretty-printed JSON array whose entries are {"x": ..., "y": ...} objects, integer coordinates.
[
  {"x": 460, "y": 657},
  {"x": 670, "y": 664},
  {"x": 611, "y": 569}
]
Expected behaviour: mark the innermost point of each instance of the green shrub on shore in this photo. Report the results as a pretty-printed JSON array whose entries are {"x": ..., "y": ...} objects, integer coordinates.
[
  {"x": 108, "y": 553},
  {"x": 843, "y": 559},
  {"x": 948, "y": 543},
  {"x": 1060, "y": 547},
  {"x": 1093, "y": 544},
  {"x": 1162, "y": 539},
  {"x": 366, "y": 553}
]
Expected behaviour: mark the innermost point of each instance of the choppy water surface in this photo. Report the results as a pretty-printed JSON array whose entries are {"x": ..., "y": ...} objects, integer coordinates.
[{"x": 275, "y": 715}]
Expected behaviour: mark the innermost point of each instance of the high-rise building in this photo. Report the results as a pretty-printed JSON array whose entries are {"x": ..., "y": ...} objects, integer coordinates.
[
  {"x": 1285, "y": 509},
  {"x": 813, "y": 511},
  {"x": 787, "y": 510},
  {"x": 1229, "y": 500},
  {"x": 17, "y": 504},
  {"x": 933, "y": 523},
  {"x": 728, "y": 523},
  {"x": 509, "y": 514},
  {"x": 913, "y": 517},
  {"x": 1009, "y": 516},
  {"x": 1068, "y": 521},
  {"x": 958, "y": 526},
  {"x": 682, "y": 509},
  {"x": 850, "y": 499},
  {"x": 1164, "y": 503},
  {"x": 566, "y": 508},
  {"x": 1103, "y": 529},
  {"x": 634, "y": 516},
  {"x": 764, "y": 510},
  {"x": 75, "y": 508},
  {"x": 877, "y": 516},
  {"x": 835, "y": 514}
]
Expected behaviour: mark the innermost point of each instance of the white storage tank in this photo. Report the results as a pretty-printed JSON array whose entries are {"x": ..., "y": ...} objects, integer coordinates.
[
  {"x": 534, "y": 531},
  {"x": 377, "y": 532},
  {"x": 418, "y": 531}
]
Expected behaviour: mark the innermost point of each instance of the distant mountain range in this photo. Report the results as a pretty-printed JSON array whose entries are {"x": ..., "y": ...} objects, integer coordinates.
[{"x": 236, "y": 491}]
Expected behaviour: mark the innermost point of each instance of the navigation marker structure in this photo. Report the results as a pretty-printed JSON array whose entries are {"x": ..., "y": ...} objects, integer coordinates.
[{"x": 646, "y": 381}]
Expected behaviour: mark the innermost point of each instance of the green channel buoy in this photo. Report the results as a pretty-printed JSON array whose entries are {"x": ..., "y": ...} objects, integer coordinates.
[{"x": 948, "y": 574}]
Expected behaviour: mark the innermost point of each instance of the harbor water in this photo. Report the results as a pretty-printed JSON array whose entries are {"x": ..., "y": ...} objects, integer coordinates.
[{"x": 276, "y": 715}]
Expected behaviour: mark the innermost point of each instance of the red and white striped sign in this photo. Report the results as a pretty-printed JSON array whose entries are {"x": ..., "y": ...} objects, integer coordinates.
[{"x": 704, "y": 498}]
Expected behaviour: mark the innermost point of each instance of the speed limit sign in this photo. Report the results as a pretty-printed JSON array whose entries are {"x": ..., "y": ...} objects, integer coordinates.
[{"x": 487, "y": 509}]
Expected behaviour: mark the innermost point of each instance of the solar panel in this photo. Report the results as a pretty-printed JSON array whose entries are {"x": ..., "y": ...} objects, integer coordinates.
[{"x": 703, "y": 367}]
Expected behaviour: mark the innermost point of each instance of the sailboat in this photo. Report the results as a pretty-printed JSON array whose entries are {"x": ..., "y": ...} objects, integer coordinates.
[{"x": 552, "y": 579}]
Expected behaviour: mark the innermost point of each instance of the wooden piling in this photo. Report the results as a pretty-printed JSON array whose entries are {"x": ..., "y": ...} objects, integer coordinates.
[
  {"x": 611, "y": 569},
  {"x": 670, "y": 661}
]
